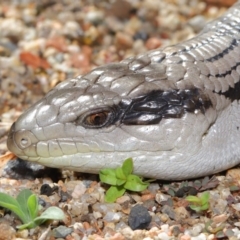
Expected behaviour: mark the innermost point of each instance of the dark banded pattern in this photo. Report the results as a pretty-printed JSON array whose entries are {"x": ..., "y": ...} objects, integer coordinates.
[{"x": 153, "y": 107}]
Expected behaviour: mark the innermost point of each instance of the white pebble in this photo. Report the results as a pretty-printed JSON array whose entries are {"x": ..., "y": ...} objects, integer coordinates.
[
  {"x": 128, "y": 233},
  {"x": 112, "y": 217},
  {"x": 201, "y": 236},
  {"x": 160, "y": 197},
  {"x": 163, "y": 236},
  {"x": 236, "y": 206},
  {"x": 79, "y": 190}
]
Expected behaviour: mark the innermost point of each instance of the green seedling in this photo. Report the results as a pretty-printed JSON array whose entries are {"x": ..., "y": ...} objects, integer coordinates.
[
  {"x": 199, "y": 203},
  {"x": 121, "y": 179},
  {"x": 26, "y": 207}
]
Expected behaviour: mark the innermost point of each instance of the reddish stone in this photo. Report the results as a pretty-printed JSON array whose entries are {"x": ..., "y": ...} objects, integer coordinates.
[
  {"x": 123, "y": 40},
  {"x": 226, "y": 3},
  {"x": 146, "y": 197},
  {"x": 82, "y": 60},
  {"x": 69, "y": 237},
  {"x": 117, "y": 236},
  {"x": 153, "y": 43},
  {"x": 33, "y": 60},
  {"x": 58, "y": 43}
]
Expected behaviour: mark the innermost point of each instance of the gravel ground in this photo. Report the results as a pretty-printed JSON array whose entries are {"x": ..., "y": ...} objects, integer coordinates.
[{"x": 45, "y": 42}]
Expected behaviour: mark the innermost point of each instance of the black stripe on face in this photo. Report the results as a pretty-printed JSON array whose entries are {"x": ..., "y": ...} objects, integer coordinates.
[
  {"x": 156, "y": 105},
  {"x": 232, "y": 93}
]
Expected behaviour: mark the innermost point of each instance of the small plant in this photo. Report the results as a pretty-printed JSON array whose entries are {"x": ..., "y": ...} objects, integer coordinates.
[
  {"x": 199, "y": 203},
  {"x": 26, "y": 207},
  {"x": 121, "y": 180}
]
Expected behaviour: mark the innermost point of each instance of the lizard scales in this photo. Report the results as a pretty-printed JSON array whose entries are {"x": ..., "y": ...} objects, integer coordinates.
[{"x": 175, "y": 111}]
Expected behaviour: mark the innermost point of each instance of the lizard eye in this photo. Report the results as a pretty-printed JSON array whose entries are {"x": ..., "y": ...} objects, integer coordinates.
[{"x": 96, "y": 119}]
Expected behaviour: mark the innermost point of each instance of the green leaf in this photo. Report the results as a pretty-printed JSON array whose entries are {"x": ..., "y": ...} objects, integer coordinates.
[
  {"x": 205, "y": 197},
  {"x": 199, "y": 208},
  {"x": 120, "y": 182},
  {"x": 193, "y": 199},
  {"x": 32, "y": 204},
  {"x": 120, "y": 174},
  {"x": 23, "y": 196},
  {"x": 51, "y": 213},
  {"x": 28, "y": 225},
  {"x": 150, "y": 180},
  {"x": 199, "y": 203},
  {"x": 195, "y": 208},
  {"x": 113, "y": 193},
  {"x": 108, "y": 171},
  {"x": 22, "y": 199},
  {"x": 135, "y": 183},
  {"x": 204, "y": 207},
  {"x": 12, "y": 204},
  {"x": 127, "y": 166},
  {"x": 108, "y": 176},
  {"x": 25, "y": 206}
]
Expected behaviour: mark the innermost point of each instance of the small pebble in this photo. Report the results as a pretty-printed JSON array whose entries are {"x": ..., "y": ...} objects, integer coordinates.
[
  {"x": 163, "y": 236},
  {"x": 127, "y": 232},
  {"x": 197, "y": 229},
  {"x": 61, "y": 231},
  {"x": 106, "y": 207},
  {"x": 201, "y": 236},
  {"x": 197, "y": 23},
  {"x": 139, "y": 217},
  {"x": 79, "y": 190},
  {"x": 161, "y": 197},
  {"x": 123, "y": 41},
  {"x": 169, "y": 211},
  {"x": 47, "y": 190},
  {"x": 123, "y": 199},
  {"x": 153, "y": 43},
  {"x": 72, "y": 30},
  {"x": 181, "y": 213},
  {"x": 7, "y": 232},
  {"x": 185, "y": 237},
  {"x": 220, "y": 218},
  {"x": 112, "y": 217}
]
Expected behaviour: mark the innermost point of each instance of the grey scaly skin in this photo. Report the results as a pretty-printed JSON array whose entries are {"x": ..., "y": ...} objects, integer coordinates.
[{"x": 175, "y": 111}]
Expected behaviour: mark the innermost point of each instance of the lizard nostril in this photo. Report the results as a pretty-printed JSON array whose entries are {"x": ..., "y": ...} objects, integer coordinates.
[
  {"x": 24, "y": 139},
  {"x": 25, "y": 142},
  {"x": 22, "y": 143}
]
